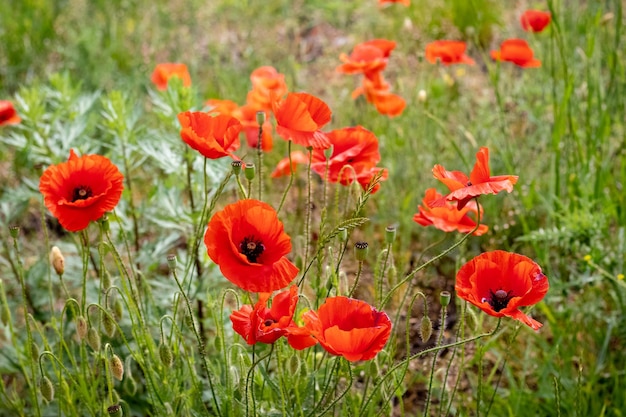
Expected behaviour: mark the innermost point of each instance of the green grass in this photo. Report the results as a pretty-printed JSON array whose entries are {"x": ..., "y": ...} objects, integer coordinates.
[{"x": 79, "y": 75}]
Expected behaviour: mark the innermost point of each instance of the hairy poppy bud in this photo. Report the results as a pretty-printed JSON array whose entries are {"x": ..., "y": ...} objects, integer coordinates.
[
  {"x": 165, "y": 353},
  {"x": 46, "y": 388},
  {"x": 118, "y": 309},
  {"x": 117, "y": 367},
  {"x": 115, "y": 410},
  {"x": 109, "y": 325},
  {"x": 106, "y": 280},
  {"x": 57, "y": 260},
  {"x": 249, "y": 171},
  {"x": 426, "y": 329},
  {"x": 93, "y": 339},
  {"x": 360, "y": 251},
  {"x": 81, "y": 327},
  {"x": 34, "y": 351}
]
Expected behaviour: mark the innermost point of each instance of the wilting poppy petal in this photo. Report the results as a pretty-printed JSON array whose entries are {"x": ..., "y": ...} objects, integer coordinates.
[
  {"x": 213, "y": 136},
  {"x": 164, "y": 72},
  {"x": 535, "y": 20},
  {"x": 348, "y": 327},
  {"x": 500, "y": 282},
  {"x": 447, "y": 52},
  {"x": 8, "y": 114},
  {"x": 516, "y": 51},
  {"x": 300, "y": 117},
  {"x": 249, "y": 244},
  {"x": 447, "y": 217},
  {"x": 81, "y": 190}
]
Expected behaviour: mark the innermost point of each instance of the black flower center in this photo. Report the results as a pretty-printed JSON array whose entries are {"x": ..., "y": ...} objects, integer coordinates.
[
  {"x": 252, "y": 248},
  {"x": 499, "y": 299},
  {"x": 81, "y": 193},
  {"x": 268, "y": 322}
]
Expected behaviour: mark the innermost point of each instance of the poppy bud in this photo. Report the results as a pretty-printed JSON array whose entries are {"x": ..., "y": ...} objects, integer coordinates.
[
  {"x": 260, "y": 118},
  {"x": 57, "y": 260},
  {"x": 115, "y": 410},
  {"x": 14, "y": 231},
  {"x": 426, "y": 329},
  {"x": 165, "y": 353},
  {"x": 109, "y": 325},
  {"x": 249, "y": 171},
  {"x": 117, "y": 367},
  {"x": 360, "y": 251},
  {"x": 46, "y": 388},
  {"x": 106, "y": 280},
  {"x": 93, "y": 339},
  {"x": 81, "y": 327},
  {"x": 236, "y": 165},
  {"x": 130, "y": 386},
  {"x": 421, "y": 96},
  {"x": 118, "y": 309},
  {"x": 34, "y": 351},
  {"x": 390, "y": 234},
  {"x": 444, "y": 298},
  {"x": 5, "y": 313},
  {"x": 171, "y": 262}
]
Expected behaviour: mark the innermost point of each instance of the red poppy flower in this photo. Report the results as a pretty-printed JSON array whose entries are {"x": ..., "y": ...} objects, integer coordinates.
[
  {"x": 282, "y": 169},
  {"x": 225, "y": 107},
  {"x": 267, "y": 85},
  {"x": 299, "y": 118},
  {"x": 499, "y": 283},
  {"x": 448, "y": 52},
  {"x": 163, "y": 72},
  {"x": 447, "y": 217},
  {"x": 249, "y": 244},
  {"x": 354, "y": 147},
  {"x": 403, "y": 2},
  {"x": 367, "y": 58},
  {"x": 266, "y": 325},
  {"x": 8, "y": 114},
  {"x": 348, "y": 327},
  {"x": 535, "y": 20},
  {"x": 212, "y": 136},
  {"x": 377, "y": 91},
  {"x": 247, "y": 115},
  {"x": 516, "y": 51},
  {"x": 81, "y": 190},
  {"x": 480, "y": 181}
]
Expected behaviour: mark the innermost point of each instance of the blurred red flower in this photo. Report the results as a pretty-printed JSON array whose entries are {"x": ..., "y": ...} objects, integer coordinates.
[
  {"x": 81, "y": 190},
  {"x": 299, "y": 118},
  {"x": 403, "y": 2},
  {"x": 448, "y": 52},
  {"x": 447, "y": 217},
  {"x": 213, "y": 136},
  {"x": 266, "y": 325},
  {"x": 355, "y": 155},
  {"x": 163, "y": 72},
  {"x": 535, "y": 20},
  {"x": 348, "y": 327},
  {"x": 282, "y": 168},
  {"x": 367, "y": 58},
  {"x": 225, "y": 107},
  {"x": 8, "y": 114},
  {"x": 480, "y": 181},
  {"x": 267, "y": 85},
  {"x": 377, "y": 91},
  {"x": 500, "y": 282},
  {"x": 516, "y": 51},
  {"x": 247, "y": 115},
  {"x": 249, "y": 244}
]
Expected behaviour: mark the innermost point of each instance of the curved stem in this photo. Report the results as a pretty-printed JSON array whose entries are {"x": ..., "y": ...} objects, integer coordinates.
[{"x": 293, "y": 174}]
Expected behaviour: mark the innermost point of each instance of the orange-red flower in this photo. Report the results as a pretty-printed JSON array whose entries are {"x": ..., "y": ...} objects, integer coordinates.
[
  {"x": 282, "y": 168},
  {"x": 164, "y": 72},
  {"x": 480, "y": 181},
  {"x": 535, "y": 20},
  {"x": 81, "y": 190},
  {"x": 355, "y": 155},
  {"x": 499, "y": 283},
  {"x": 267, "y": 85},
  {"x": 226, "y": 107},
  {"x": 348, "y": 327},
  {"x": 367, "y": 58},
  {"x": 299, "y": 118},
  {"x": 447, "y": 217},
  {"x": 266, "y": 325},
  {"x": 212, "y": 136},
  {"x": 247, "y": 115},
  {"x": 8, "y": 114},
  {"x": 249, "y": 244},
  {"x": 448, "y": 52},
  {"x": 403, "y": 2},
  {"x": 377, "y": 91},
  {"x": 518, "y": 52}
]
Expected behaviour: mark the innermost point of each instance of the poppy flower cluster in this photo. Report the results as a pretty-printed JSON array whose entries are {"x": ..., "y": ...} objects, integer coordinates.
[
  {"x": 447, "y": 217},
  {"x": 500, "y": 282},
  {"x": 517, "y": 50},
  {"x": 370, "y": 59},
  {"x": 354, "y": 157},
  {"x": 165, "y": 71},
  {"x": 8, "y": 114},
  {"x": 81, "y": 190}
]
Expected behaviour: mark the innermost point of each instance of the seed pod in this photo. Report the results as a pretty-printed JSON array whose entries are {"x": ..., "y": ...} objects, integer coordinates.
[
  {"x": 165, "y": 353},
  {"x": 444, "y": 298},
  {"x": 93, "y": 339},
  {"x": 117, "y": 367},
  {"x": 81, "y": 327},
  {"x": 46, "y": 388},
  {"x": 57, "y": 260},
  {"x": 115, "y": 410},
  {"x": 248, "y": 171},
  {"x": 426, "y": 328},
  {"x": 360, "y": 251}
]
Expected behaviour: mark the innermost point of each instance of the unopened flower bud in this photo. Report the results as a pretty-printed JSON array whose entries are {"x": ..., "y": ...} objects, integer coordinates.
[
  {"x": 117, "y": 367},
  {"x": 14, "y": 231},
  {"x": 444, "y": 298},
  {"x": 165, "y": 353},
  {"x": 236, "y": 165},
  {"x": 46, "y": 388},
  {"x": 390, "y": 234},
  {"x": 81, "y": 327},
  {"x": 130, "y": 385},
  {"x": 57, "y": 260},
  {"x": 93, "y": 339},
  {"x": 118, "y": 309},
  {"x": 360, "y": 251},
  {"x": 249, "y": 171},
  {"x": 115, "y": 410},
  {"x": 34, "y": 351},
  {"x": 109, "y": 325},
  {"x": 106, "y": 280},
  {"x": 422, "y": 96},
  {"x": 426, "y": 329}
]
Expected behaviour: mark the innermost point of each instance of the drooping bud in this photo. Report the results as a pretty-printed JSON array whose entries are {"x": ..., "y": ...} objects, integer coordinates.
[
  {"x": 115, "y": 410},
  {"x": 106, "y": 280},
  {"x": 117, "y": 367},
  {"x": 93, "y": 339},
  {"x": 34, "y": 351},
  {"x": 360, "y": 251},
  {"x": 57, "y": 260},
  {"x": 81, "y": 327},
  {"x": 249, "y": 171},
  {"x": 426, "y": 328},
  {"x": 444, "y": 298},
  {"x": 46, "y": 388},
  {"x": 165, "y": 353},
  {"x": 109, "y": 325},
  {"x": 118, "y": 309}
]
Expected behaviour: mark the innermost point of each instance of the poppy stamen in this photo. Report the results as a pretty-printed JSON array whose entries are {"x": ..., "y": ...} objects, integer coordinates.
[
  {"x": 251, "y": 248},
  {"x": 81, "y": 193},
  {"x": 499, "y": 299}
]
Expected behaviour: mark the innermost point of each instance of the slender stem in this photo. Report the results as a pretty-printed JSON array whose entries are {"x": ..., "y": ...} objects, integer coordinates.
[
  {"x": 356, "y": 280},
  {"x": 259, "y": 150},
  {"x": 250, "y": 393},
  {"x": 307, "y": 225},
  {"x": 442, "y": 328},
  {"x": 293, "y": 174}
]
